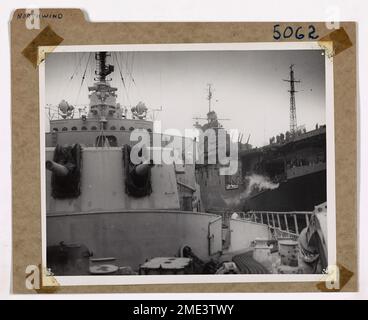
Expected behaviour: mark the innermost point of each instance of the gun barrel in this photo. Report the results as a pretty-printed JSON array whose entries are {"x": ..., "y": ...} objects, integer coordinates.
[
  {"x": 57, "y": 168},
  {"x": 141, "y": 169}
]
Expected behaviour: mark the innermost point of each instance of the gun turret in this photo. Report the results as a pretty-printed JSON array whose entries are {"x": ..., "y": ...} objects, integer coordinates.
[{"x": 57, "y": 168}]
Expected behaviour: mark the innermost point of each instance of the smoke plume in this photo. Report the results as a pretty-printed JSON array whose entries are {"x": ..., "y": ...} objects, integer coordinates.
[{"x": 257, "y": 182}]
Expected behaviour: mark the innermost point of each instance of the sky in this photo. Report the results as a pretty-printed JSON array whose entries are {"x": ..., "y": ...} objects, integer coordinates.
[{"x": 248, "y": 86}]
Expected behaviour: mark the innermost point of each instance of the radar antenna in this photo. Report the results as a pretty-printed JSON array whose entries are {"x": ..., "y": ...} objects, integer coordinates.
[{"x": 211, "y": 115}]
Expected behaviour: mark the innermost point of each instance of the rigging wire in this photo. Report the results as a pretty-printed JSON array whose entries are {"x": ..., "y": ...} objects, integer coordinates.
[
  {"x": 76, "y": 69},
  {"x": 131, "y": 78},
  {"x": 130, "y": 72},
  {"x": 122, "y": 79},
  {"x": 121, "y": 74},
  {"x": 78, "y": 66},
  {"x": 83, "y": 77}
]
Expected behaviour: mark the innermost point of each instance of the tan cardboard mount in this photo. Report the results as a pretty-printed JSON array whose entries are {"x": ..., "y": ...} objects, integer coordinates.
[{"x": 70, "y": 27}]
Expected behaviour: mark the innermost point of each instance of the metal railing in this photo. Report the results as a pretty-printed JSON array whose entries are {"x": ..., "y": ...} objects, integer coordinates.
[{"x": 282, "y": 224}]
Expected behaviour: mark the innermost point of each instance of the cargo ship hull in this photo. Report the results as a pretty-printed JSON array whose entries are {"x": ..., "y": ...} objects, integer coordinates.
[{"x": 302, "y": 193}]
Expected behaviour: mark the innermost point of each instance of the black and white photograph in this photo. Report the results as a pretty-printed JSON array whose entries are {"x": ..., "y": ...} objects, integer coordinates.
[{"x": 167, "y": 162}]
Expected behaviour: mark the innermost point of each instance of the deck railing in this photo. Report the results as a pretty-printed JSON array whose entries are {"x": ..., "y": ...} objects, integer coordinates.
[{"x": 282, "y": 224}]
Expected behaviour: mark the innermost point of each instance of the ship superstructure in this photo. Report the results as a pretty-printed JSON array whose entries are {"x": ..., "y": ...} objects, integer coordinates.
[
  {"x": 106, "y": 121},
  {"x": 220, "y": 193},
  {"x": 291, "y": 172}
]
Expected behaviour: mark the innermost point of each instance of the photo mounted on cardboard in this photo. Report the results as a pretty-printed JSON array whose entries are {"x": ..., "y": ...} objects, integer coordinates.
[{"x": 187, "y": 163}]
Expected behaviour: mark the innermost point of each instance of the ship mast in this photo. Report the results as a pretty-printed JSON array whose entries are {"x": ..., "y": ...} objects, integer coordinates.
[
  {"x": 102, "y": 97},
  {"x": 102, "y": 69},
  {"x": 209, "y": 97},
  {"x": 292, "y": 81},
  {"x": 211, "y": 115}
]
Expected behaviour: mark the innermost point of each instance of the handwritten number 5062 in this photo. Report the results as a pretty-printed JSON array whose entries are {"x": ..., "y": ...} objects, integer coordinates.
[{"x": 298, "y": 33}]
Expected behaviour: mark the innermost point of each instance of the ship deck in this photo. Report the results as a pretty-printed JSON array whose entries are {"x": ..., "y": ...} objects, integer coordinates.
[{"x": 247, "y": 265}]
